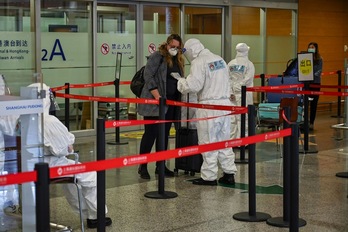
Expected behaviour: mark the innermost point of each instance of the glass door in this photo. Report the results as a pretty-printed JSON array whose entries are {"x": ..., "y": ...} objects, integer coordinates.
[{"x": 205, "y": 24}]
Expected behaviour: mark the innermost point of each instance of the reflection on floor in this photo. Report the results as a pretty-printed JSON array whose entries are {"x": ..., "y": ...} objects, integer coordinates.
[{"x": 323, "y": 196}]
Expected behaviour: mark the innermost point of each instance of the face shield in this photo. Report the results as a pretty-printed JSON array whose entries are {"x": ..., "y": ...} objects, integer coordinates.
[
  {"x": 192, "y": 48},
  {"x": 53, "y": 103},
  {"x": 4, "y": 89},
  {"x": 183, "y": 51}
]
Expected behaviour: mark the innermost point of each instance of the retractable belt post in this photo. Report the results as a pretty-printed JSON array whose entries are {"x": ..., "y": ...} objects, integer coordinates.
[
  {"x": 242, "y": 159},
  {"x": 262, "y": 77},
  {"x": 161, "y": 193},
  {"x": 101, "y": 175},
  {"x": 252, "y": 215},
  {"x": 306, "y": 148},
  {"x": 285, "y": 220},
  {"x": 294, "y": 181},
  {"x": 339, "y": 82},
  {"x": 42, "y": 195},
  {"x": 67, "y": 107},
  {"x": 117, "y": 114}
]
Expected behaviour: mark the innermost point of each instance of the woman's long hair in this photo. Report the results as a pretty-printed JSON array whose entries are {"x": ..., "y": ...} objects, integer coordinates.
[
  {"x": 179, "y": 57},
  {"x": 316, "y": 55}
]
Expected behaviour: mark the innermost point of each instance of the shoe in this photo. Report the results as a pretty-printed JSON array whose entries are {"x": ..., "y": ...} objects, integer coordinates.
[
  {"x": 13, "y": 210},
  {"x": 93, "y": 223},
  {"x": 200, "y": 181},
  {"x": 227, "y": 179},
  {"x": 311, "y": 127},
  {"x": 167, "y": 172},
  {"x": 144, "y": 174}
]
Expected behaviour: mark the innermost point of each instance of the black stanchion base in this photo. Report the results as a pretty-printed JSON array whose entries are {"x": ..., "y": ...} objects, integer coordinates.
[
  {"x": 342, "y": 174},
  {"x": 246, "y": 217},
  {"x": 241, "y": 161},
  {"x": 164, "y": 195},
  {"x": 279, "y": 222},
  {"x": 117, "y": 143}
]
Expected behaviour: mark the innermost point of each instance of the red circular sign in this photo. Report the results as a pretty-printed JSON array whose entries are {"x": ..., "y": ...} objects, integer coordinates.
[
  {"x": 105, "y": 48},
  {"x": 151, "y": 48}
]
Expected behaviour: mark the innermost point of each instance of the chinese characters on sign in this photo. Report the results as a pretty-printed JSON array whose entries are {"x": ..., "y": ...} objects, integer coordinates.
[
  {"x": 13, "y": 49},
  {"x": 121, "y": 47},
  {"x": 305, "y": 66}
]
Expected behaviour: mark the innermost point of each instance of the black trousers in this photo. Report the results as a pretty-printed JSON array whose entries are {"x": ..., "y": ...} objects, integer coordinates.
[
  {"x": 151, "y": 133},
  {"x": 313, "y": 104}
]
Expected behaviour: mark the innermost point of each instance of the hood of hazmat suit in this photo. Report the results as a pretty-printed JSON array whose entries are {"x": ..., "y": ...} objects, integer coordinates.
[
  {"x": 57, "y": 138},
  {"x": 242, "y": 49},
  {"x": 192, "y": 48}
]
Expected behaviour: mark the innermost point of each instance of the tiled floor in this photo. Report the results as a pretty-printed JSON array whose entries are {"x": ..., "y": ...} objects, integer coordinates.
[{"x": 323, "y": 198}]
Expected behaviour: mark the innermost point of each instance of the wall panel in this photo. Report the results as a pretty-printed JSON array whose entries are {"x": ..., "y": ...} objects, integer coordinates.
[{"x": 325, "y": 22}]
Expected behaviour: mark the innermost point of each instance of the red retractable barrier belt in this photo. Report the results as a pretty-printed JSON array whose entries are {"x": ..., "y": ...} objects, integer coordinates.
[{"x": 139, "y": 159}]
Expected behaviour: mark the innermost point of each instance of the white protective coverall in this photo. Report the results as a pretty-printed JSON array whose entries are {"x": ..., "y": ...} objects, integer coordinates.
[
  {"x": 57, "y": 144},
  {"x": 210, "y": 80},
  {"x": 242, "y": 72},
  {"x": 7, "y": 127}
]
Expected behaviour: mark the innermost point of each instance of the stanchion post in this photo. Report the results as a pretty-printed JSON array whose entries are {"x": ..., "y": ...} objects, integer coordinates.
[
  {"x": 101, "y": 175},
  {"x": 67, "y": 107},
  {"x": 162, "y": 116},
  {"x": 285, "y": 220},
  {"x": 117, "y": 95},
  {"x": 306, "y": 148},
  {"x": 305, "y": 118},
  {"x": 339, "y": 76},
  {"x": 42, "y": 196},
  {"x": 117, "y": 108},
  {"x": 161, "y": 193},
  {"x": 252, "y": 215},
  {"x": 339, "y": 83},
  {"x": 242, "y": 159},
  {"x": 262, "y": 77},
  {"x": 294, "y": 180},
  {"x": 117, "y": 114}
]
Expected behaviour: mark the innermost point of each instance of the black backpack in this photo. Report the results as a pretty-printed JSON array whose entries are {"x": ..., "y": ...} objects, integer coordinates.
[
  {"x": 138, "y": 82},
  {"x": 292, "y": 68}
]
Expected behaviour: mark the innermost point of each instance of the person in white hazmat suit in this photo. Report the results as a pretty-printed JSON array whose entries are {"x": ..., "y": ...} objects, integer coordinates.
[
  {"x": 210, "y": 80},
  {"x": 242, "y": 72},
  {"x": 58, "y": 143},
  {"x": 7, "y": 127}
]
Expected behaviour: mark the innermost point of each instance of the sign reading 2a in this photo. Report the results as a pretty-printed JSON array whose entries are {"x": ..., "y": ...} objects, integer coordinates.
[{"x": 57, "y": 50}]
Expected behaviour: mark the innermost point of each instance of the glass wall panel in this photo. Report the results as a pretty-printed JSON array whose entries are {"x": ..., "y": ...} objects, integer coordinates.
[
  {"x": 17, "y": 65},
  {"x": 281, "y": 40},
  {"x": 115, "y": 35},
  {"x": 158, "y": 23},
  {"x": 17, "y": 46},
  {"x": 205, "y": 24},
  {"x": 66, "y": 54},
  {"x": 246, "y": 28}
]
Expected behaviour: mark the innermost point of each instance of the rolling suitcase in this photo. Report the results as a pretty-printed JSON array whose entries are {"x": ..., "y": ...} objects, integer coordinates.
[{"x": 186, "y": 136}]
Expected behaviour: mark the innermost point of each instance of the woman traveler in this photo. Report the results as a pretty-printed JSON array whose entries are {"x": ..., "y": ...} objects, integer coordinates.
[{"x": 159, "y": 83}]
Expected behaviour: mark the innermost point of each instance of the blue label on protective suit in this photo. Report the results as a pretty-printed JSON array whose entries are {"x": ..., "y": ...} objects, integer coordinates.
[
  {"x": 237, "y": 68},
  {"x": 216, "y": 65}
]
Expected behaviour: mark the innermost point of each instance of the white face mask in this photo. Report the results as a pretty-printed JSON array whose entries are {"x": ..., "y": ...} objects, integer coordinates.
[
  {"x": 173, "y": 51},
  {"x": 312, "y": 50}
]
